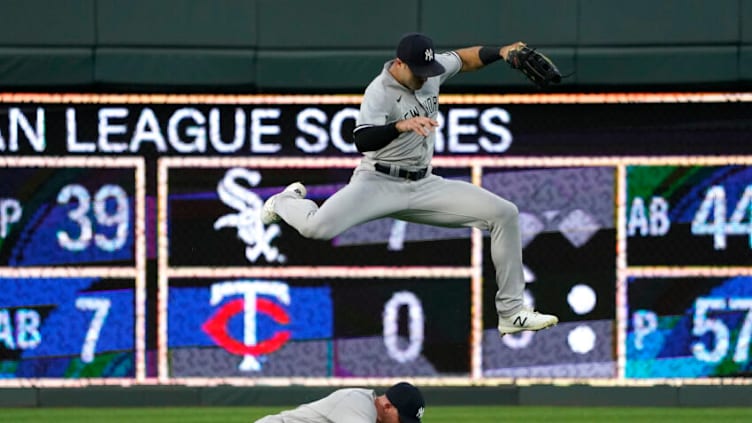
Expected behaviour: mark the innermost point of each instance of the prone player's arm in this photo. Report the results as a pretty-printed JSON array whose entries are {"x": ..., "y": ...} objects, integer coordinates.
[{"x": 474, "y": 58}]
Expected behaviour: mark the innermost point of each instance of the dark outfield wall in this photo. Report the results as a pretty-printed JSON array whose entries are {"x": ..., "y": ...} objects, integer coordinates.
[
  {"x": 544, "y": 395},
  {"x": 338, "y": 45}
]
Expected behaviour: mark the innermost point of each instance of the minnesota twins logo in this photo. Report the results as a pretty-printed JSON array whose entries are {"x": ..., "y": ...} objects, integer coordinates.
[
  {"x": 429, "y": 55},
  {"x": 253, "y": 302},
  {"x": 248, "y": 219}
]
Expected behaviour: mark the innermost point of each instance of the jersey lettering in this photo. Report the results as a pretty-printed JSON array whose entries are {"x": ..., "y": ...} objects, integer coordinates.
[
  {"x": 411, "y": 113},
  {"x": 431, "y": 105}
]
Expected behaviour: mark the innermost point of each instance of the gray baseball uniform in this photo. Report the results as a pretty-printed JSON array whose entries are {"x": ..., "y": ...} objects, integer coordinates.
[
  {"x": 351, "y": 405},
  {"x": 432, "y": 200}
]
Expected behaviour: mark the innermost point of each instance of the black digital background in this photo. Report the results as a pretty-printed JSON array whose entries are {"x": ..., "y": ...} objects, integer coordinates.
[
  {"x": 539, "y": 130},
  {"x": 588, "y": 129},
  {"x": 194, "y": 241},
  {"x": 558, "y": 266},
  {"x": 358, "y": 307},
  {"x": 37, "y": 189}
]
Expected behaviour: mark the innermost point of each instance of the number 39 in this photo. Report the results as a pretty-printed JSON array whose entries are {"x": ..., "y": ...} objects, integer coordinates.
[{"x": 79, "y": 215}]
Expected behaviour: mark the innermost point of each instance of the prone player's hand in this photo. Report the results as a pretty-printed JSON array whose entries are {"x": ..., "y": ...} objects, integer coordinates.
[{"x": 421, "y": 125}]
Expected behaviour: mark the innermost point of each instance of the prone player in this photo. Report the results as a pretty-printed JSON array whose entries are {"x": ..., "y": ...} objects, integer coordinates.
[{"x": 401, "y": 403}]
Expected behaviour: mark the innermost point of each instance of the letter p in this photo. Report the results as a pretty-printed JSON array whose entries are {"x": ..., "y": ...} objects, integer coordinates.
[
  {"x": 644, "y": 322},
  {"x": 10, "y": 212}
]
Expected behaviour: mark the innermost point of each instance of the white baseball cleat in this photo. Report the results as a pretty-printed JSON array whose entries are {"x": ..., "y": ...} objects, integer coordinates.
[
  {"x": 526, "y": 319},
  {"x": 268, "y": 215}
]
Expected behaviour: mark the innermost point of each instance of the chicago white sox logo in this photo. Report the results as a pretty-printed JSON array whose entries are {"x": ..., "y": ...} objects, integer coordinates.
[
  {"x": 429, "y": 55},
  {"x": 248, "y": 219}
]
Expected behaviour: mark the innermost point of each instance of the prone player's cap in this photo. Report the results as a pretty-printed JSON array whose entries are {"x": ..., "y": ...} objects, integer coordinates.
[
  {"x": 408, "y": 400},
  {"x": 417, "y": 51}
]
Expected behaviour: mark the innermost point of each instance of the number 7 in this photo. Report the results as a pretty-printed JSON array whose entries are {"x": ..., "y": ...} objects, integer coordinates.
[
  {"x": 741, "y": 354},
  {"x": 101, "y": 307}
]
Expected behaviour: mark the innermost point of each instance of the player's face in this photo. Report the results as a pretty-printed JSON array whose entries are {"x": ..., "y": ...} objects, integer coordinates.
[
  {"x": 414, "y": 82},
  {"x": 407, "y": 78},
  {"x": 385, "y": 411}
]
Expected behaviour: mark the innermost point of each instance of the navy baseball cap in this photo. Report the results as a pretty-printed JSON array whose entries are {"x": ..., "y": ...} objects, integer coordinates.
[
  {"x": 416, "y": 50},
  {"x": 408, "y": 400}
]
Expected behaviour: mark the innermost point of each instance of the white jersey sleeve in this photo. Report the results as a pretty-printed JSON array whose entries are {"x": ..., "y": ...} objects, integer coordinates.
[
  {"x": 451, "y": 62},
  {"x": 374, "y": 108},
  {"x": 355, "y": 406},
  {"x": 349, "y": 405}
]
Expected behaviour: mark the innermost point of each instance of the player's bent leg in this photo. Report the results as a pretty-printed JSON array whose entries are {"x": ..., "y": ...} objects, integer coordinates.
[
  {"x": 322, "y": 232},
  {"x": 506, "y": 252},
  {"x": 342, "y": 211},
  {"x": 269, "y": 214},
  {"x": 507, "y": 257},
  {"x": 305, "y": 217},
  {"x": 368, "y": 196},
  {"x": 458, "y": 203}
]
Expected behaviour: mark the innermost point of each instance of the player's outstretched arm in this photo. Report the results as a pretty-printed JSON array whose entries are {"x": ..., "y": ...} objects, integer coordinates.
[
  {"x": 536, "y": 66},
  {"x": 474, "y": 58}
]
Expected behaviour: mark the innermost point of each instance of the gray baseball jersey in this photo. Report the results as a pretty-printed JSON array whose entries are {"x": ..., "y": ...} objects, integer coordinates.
[
  {"x": 386, "y": 101},
  {"x": 351, "y": 405},
  {"x": 430, "y": 200}
]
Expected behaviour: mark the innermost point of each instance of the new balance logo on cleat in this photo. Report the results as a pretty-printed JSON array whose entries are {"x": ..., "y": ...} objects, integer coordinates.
[
  {"x": 526, "y": 319},
  {"x": 519, "y": 321}
]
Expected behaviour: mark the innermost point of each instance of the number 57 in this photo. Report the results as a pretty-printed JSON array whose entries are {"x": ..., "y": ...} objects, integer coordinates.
[{"x": 703, "y": 324}]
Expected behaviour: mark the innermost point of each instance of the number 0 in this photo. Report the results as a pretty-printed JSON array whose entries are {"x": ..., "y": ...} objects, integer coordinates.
[{"x": 415, "y": 326}]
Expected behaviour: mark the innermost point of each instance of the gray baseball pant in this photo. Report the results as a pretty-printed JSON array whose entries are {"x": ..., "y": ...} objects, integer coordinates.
[{"x": 432, "y": 200}]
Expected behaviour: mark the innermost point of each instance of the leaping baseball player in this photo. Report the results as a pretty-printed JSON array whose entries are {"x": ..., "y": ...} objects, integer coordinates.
[{"x": 395, "y": 131}]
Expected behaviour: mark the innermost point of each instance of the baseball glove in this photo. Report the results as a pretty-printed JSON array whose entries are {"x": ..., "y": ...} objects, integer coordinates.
[{"x": 534, "y": 65}]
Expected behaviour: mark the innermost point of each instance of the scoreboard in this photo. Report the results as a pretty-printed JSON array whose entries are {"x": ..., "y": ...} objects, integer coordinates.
[
  {"x": 132, "y": 250},
  {"x": 689, "y": 308},
  {"x": 72, "y": 276}
]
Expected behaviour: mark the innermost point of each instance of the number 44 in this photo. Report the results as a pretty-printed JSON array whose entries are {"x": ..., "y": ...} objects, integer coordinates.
[{"x": 715, "y": 200}]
